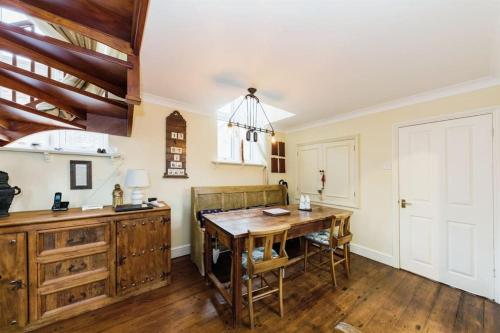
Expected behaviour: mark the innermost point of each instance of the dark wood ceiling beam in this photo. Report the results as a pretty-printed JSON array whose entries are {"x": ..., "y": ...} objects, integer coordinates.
[
  {"x": 134, "y": 81},
  {"x": 33, "y": 54},
  {"x": 138, "y": 23},
  {"x": 106, "y": 72},
  {"x": 66, "y": 97},
  {"x": 11, "y": 111},
  {"x": 17, "y": 85},
  {"x": 30, "y": 8},
  {"x": 24, "y": 129},
  {"x": 4, "y": 139},
  {"x": 62, "y": 46},
  {"x": 4, "y": 123}
]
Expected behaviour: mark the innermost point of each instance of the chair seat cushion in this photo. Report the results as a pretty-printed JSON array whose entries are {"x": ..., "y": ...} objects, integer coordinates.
[
  {"x": 321, "y": 237},
  {"x": 257, "y": 255}
]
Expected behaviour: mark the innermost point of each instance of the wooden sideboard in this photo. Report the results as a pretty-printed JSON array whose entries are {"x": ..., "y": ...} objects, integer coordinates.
[{"x": 55, "y": 266}]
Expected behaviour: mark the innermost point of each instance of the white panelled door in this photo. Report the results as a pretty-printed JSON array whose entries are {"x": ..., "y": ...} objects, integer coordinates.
[{"x": 446, "y": 224}]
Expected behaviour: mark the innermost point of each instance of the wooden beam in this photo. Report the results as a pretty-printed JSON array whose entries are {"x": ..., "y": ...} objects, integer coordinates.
[
  {"x": 66, "y": 97},
  {"x": 62, "y": 46},
  {"x": 12, "y": 111},
  {"x": 4, "y": 139},
  {"x": 83, "y": 28},
  {"x": 33, "y": 54},
  {"x": 21, "y": 129},
  {"x": 31, "y": 90},
  {"x": 138, "y": 23},
  {"x": 130, "y": 119},
  {"x": 104, "y": 71},
  {"x": 4, "y": 123},
  {"x": 134, "y": 81}
]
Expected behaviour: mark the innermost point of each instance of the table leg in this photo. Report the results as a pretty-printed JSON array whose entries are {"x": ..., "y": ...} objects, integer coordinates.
[
  {"x": 236, "y": 282},
  {"x": 208, "y": 255}
]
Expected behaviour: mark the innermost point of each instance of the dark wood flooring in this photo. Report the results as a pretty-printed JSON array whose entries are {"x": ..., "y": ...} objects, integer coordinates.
[{"x": 377, "y": 298}]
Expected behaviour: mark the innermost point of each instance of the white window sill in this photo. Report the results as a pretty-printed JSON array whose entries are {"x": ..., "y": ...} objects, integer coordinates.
[
  {"x": 239, "y": 164},
  {"x": 58, "y": 152}
]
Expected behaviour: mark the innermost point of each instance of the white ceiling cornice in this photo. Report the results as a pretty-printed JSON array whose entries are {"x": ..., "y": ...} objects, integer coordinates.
[{"x": 452, "y": 90}]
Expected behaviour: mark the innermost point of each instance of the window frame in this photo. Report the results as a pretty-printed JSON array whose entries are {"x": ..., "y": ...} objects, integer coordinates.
[{"x": 252, "y": 148}]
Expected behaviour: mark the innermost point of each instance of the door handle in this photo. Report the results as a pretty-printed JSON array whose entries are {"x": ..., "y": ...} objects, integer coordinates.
[{"x": 404, "y": 203}]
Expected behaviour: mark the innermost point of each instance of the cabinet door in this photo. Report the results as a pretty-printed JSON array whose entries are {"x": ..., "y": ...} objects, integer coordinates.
[
  {"x": 143, "y": 252},
  {"x": 309, "y": 166},
  {"x": 13, "y": 292},
  {"x": 340, "y": 167}
]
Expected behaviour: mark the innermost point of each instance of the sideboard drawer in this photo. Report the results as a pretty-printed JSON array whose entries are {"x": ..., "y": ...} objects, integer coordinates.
[
  {"x": 50, "y": 272},
  {"x": 55, "y": 302},
  {"x": 50, "y": 241}
]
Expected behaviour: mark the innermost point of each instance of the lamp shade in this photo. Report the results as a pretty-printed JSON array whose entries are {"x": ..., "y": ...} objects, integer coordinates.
[{"x": 137, "y": 178}]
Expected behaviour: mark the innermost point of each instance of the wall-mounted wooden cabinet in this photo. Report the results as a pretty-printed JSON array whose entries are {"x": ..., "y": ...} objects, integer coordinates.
[{"x": 77, "y": 262}]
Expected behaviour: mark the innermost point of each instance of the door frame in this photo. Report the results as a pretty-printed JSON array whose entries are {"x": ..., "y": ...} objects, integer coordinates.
[{"x": 495, "y": 113}]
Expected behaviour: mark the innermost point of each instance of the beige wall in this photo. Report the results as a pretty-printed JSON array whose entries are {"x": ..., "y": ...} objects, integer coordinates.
[
  {"x": 40, "y": 179},
  {"x": 372, "y": 223}
]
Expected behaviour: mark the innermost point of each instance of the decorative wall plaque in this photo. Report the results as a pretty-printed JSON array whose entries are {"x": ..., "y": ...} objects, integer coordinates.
[{"x": 176, "y": 146}]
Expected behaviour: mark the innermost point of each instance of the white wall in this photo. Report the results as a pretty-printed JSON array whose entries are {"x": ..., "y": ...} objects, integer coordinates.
[
  {"x": 372, "y": 223},
  {"x": 39, "y": 179}
]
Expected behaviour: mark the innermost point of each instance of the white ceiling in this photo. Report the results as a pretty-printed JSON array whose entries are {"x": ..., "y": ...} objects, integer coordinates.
[{"x": 316, "y": 58}]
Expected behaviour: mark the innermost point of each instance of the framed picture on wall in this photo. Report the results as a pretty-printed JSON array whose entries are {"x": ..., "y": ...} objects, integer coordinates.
[{"x": 80, "y": 175}]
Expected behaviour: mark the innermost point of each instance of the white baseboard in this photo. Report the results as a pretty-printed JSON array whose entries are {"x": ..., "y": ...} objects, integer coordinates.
[
  {"x": 372, "y": 254},
  {"x": 184, "y": 250},
  {"x": 180, "y": 251}
]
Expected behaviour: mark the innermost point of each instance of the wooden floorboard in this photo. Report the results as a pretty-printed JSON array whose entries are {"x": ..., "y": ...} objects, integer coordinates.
[{"x": 377, "y": 298}]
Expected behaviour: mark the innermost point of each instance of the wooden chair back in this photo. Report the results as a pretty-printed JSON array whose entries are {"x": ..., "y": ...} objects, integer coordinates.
[
  {"x": 267, "y": 238},
  {"x": 344, "y": 231}
]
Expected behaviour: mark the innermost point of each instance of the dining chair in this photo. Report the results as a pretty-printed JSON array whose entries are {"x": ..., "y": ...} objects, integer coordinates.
[
  {"x": 264, "y": 259},
  {"x": 329, "y": 241}
]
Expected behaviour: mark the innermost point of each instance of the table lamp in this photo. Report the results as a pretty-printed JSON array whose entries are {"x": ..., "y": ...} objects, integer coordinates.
[{"x": 137, "y": 179}]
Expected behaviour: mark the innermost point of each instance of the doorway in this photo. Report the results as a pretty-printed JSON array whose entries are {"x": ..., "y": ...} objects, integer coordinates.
[{"x": 446, "y": 203}]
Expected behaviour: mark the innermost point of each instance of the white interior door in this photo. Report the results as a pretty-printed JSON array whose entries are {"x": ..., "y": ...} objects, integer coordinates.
[{"x": 446, "y": 178}]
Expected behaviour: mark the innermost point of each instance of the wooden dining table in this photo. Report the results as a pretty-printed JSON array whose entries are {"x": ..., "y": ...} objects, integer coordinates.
[{"x": 231, "y": 230}]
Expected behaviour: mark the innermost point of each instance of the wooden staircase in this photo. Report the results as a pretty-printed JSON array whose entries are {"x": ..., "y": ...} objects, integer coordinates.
[{"x": 118, "y": 24}]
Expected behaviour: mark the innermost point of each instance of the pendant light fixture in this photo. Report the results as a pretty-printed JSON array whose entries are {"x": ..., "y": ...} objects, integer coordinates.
[{"x": 253, "y": 109}]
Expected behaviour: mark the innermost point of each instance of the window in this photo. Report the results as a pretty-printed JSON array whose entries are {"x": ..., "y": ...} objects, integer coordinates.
[
  {"x": 232, "y": 140},
  {"x": 68, "y": 141},
  {"x": 232, "y": 146}
]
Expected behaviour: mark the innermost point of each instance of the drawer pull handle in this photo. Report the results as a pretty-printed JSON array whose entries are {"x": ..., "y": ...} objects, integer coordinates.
[
  {"x": 13, "y": 322},
  {"x": 75, "y": 269},
  {"x": 77, "y": 241},
  {"x": 13, "y": 242}
]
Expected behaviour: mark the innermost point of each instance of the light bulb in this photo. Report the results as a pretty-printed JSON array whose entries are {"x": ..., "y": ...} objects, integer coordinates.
[{"x": 273, "y": 138}]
